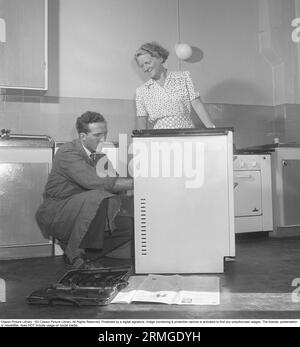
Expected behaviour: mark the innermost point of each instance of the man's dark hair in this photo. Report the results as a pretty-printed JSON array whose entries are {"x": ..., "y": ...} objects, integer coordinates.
[{"x": 82, "y": 122}]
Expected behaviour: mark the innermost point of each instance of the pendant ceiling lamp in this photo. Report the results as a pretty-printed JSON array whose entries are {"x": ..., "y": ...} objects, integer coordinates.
[{"x": 182, "y": 50}]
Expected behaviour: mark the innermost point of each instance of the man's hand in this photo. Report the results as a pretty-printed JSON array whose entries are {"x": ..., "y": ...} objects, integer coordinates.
[
  {"x": 130, "y": 192},
  {"x": 123, "y": 184}
]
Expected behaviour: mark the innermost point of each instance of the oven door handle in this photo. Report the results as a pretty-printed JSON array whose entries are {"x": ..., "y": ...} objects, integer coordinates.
[{"x": 243, "y": 176}]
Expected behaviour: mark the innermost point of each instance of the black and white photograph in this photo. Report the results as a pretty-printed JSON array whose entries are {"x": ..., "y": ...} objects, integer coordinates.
[{"x": 149, "y": 165}]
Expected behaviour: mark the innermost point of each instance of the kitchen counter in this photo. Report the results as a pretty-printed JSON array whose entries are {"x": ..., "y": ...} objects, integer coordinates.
[
  {"x": 20, "y": 140},
  {"x": 253, "y": 151},
  {"x": 267, "y": 148},
  {"x": 181, "y": 132}
]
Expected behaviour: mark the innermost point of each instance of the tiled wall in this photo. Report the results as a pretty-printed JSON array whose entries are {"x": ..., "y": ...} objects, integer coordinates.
[
  {"x": 292, "y": 122},
  {"x": 253, "y": 125},
  {"x": 28, "y": 112}
]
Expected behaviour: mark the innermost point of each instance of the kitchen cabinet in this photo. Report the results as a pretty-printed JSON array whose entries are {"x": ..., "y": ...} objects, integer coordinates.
[
  {"x": 286, "y": 187},
  {"x": 25, "y": 163},
  {"x": 23, "y": 44}
]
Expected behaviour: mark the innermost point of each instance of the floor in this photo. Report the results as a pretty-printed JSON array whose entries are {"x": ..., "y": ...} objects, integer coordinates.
[{"x": 257, "y": 284}]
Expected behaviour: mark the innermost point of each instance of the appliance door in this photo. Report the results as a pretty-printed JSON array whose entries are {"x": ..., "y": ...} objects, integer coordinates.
[
  {"x": 23, "y": 175},
  {"x": 291, "y": 190},
  {"x": 286, "y": 165},
  {"x": 184, "y": 219},
  {"x": 247, "y": 193}
]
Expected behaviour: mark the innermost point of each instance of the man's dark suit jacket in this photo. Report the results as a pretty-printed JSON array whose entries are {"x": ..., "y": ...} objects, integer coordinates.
[{"x": 72, "y": 197}]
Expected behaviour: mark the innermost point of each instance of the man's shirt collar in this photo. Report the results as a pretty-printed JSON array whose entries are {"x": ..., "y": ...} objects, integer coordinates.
[{"x": 86, "y": 150}]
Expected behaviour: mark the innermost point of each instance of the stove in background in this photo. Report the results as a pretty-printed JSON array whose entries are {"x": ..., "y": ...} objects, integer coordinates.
[
  {"x": 285, "y": 163},
  {"x": 252, "y": 192}
]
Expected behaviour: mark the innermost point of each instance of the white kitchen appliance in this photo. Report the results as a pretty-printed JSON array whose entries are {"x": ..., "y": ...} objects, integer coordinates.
[
  {"x": 252, "y": 193},
  {"x": 25, "y": 163},
  {"x": 183, "y": 200}
]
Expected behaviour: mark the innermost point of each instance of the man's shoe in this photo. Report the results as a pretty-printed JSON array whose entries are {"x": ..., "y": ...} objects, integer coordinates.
[
  {"x": 78, "y": 262},
  {"x": 91, "y": 265},
  {"x": 92, "y": 254},
  {"x": 83, "y": 263}
]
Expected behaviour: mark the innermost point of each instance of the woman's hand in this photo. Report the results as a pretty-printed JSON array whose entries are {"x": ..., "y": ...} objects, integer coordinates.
[
  {"x": 202, "y": 113},
  {"x": 142, "y": 123}
]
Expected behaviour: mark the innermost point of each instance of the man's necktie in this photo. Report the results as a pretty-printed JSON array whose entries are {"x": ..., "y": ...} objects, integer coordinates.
[{"x": 93, "y": 156}]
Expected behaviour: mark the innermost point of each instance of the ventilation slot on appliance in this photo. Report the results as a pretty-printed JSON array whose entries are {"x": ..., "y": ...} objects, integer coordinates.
[{"x": 143, "y": 226}]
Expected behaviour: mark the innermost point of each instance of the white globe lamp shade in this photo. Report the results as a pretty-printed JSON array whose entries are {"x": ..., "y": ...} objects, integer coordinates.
[{"x": 183, "y": 51}]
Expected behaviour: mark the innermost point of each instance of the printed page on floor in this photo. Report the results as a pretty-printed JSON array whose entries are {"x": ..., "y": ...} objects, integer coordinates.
[{"x": 172, "y": 289}]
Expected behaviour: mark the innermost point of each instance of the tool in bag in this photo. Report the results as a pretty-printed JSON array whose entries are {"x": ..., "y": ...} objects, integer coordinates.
[{"x": 83, "y": 287}]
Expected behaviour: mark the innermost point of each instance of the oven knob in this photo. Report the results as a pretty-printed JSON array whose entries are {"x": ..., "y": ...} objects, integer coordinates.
[
  {"x": 254, "y": 164},
  {"x": 242, "y": 164}
]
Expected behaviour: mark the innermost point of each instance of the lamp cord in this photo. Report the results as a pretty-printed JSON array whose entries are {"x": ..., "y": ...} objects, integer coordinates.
[{"x": 178, "y": 28}]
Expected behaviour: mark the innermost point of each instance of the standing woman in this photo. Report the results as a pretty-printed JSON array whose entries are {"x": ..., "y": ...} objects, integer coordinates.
[{"x": 166, "y": 98}]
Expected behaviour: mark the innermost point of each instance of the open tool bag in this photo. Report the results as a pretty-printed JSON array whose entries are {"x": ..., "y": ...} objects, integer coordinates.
[{"x": 83, "y": 287}]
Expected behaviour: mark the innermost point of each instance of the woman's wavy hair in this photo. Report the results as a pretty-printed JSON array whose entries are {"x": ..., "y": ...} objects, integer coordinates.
[{"x": 154, "y": 49}]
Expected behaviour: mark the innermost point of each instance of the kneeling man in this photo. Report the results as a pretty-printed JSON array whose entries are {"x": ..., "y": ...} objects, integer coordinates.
[{"x": 79, "y": 205}]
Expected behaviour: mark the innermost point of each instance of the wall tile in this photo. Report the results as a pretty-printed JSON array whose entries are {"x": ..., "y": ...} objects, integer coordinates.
[
  {"x": 52, "y": 125},
  {"x": 30, "y": 123},
  {"x": 253, "y": 125},
  {"x": 11, "y": 120},
  {"x": 11, "y": 104},
  {"x": 292, "y": 123},
  {"x": 17, "y": 92},
  {"x": 49, "y": 108},
  {"x": 279, "y": 123},
  {"x": 2, "y": 104},
  {"x": 56, "y": 116}
]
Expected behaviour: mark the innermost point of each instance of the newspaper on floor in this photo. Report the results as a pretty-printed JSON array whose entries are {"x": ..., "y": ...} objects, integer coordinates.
[{"x": 172, "y": 289}]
